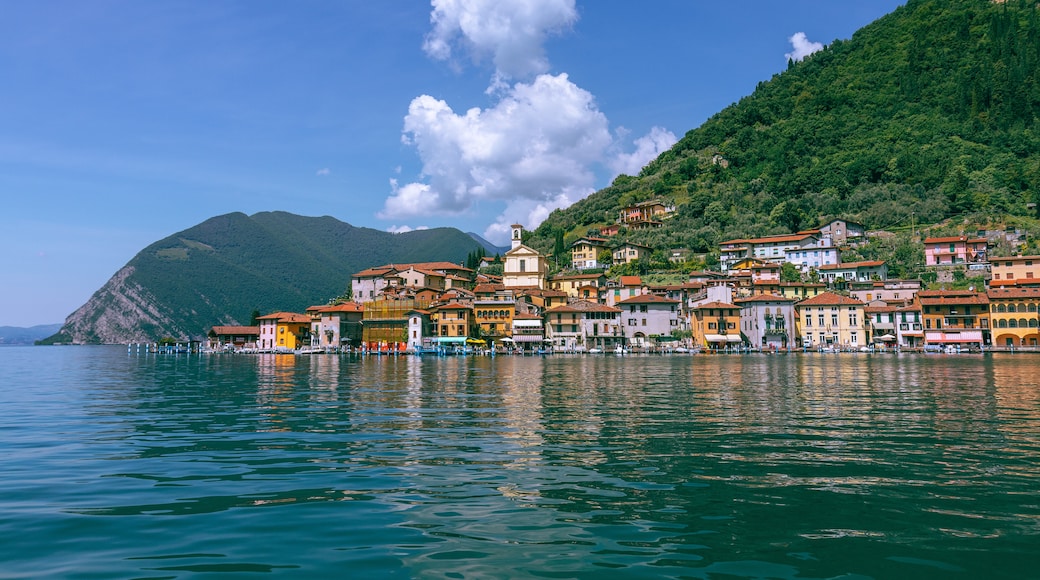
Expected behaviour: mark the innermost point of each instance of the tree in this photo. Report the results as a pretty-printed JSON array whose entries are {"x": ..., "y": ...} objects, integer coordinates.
[{"x": 790, "y": 273}]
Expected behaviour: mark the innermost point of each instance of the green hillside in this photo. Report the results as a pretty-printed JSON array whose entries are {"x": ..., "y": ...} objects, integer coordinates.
[
  {"x": 929, "y": 113},
  {"x": 223, "y": 269}
]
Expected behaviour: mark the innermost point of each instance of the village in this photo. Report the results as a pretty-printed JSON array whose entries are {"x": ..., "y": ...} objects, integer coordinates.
[{"x": 744, "y": 305}]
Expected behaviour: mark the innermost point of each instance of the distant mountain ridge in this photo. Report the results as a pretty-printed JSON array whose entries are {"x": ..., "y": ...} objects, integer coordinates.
[
  {"x": 220, "y": 271},
  {"x": 490, "y": 248},
  {"x": 26, "y": 335}
]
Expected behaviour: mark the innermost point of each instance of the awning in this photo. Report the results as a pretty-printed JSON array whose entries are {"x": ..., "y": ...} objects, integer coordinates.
[
  {"x": 451, "y": 339},
  {"x": 886, "y": 337},
  {"x": 721, "y": 338},
  {"x": 475, "y": 341},
  {"x": 526, "y": 338}
]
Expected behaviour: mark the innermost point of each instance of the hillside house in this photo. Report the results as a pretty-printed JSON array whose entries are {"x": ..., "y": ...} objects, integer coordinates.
[
  {"x": 955, "y": 250},
  {"x": 585, "y": 253}
]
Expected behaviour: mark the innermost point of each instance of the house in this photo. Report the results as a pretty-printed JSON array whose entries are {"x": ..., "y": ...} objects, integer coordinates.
[
  {"x": 801, "y": 290},
  {"x": 843, "y": 232},
  {"x": 888, "y": 290},
  {"x": 232, "y": 337},
  {"x": 679, "y": 255},
  {"x": 954, "y": 250},
  {"x": 541, "y": 300},
  {"x": 644, "y": 215},
  {"x": 767, "y": 320},
  {"x": 624, "y": 287},
  {"x": 284, "y": 331},
  {"x": 582, "y": 325},
  {"x": 493, "y": 308},
  {"x": 610, "y": 231},
  {"x": 419, "y": 328},
  {"x": 528, "y": 331},
  {"x": 646, "y": 317},
  {"x": 955, "y": 317},
  {"x": 804, "y": 249},
  {"x": 909, "y": 329},
  {"x": 831, "y": 320},
  {"x": 524, "y": 266},
  {"x": 1013, "y": 315},
  {"x": 715, "y": 325},
  {"x": 585, "y": 253},
  {"x": 629, "y": 252},
  {"x": 881, "y": 322},
  {"x": 369, "y": 283},
  {"x": 573, "y": 283},
  {"x": 453, "y": 323},
  {"x": 1015, "y": 271},
  {"x": 334, "y": 326},
  {"x": 857, "y": 271}
]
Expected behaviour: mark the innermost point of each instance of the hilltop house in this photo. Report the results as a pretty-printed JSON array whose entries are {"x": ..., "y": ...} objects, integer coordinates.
[
  {"x": 585, "y": 253},
  {"x": 630, "y": 252},
  {"x": 854, "y": 271},
  {"x": 954, "y": 250}
]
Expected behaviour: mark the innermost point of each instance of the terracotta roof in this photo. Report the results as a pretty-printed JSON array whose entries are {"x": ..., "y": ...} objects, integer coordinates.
[
  {"x": 830, "y": 299},
  {"x": 877, "y": 309},
  {"x": 951, "y": 297},
  {"x": 454, "y": 306},
  {"x": 630, "y": 281},
  {"x": 847, "y": 265},
  {"x": 1013, "y": 293},
  {"x": 286, "y": 317},
  {"x": 996, "y": 259},
  {"x": 235, "y": 330},
  {"x": 716, "y": 304},
  {"x": 949, "y": 239},
  {"x": 484, "y": 288},
  {"x": 583, "y": 306}
]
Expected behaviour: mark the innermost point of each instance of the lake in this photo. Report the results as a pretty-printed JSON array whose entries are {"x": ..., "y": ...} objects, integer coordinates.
[{"x": 125, "y": 465}]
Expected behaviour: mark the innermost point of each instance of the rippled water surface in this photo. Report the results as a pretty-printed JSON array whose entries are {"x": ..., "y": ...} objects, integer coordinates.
[{"x": 791, "y": 466}]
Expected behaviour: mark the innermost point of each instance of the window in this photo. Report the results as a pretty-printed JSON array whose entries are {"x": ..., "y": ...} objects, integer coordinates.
[
  {"x": 711, "y": 326},
  {"x": 523, "y": 265},
  {"x": 644, "y": 322},
  {"x": 821, "y": 320},
  {"x": 631, "y": 321},
  {"x": 834, "y": 320}
]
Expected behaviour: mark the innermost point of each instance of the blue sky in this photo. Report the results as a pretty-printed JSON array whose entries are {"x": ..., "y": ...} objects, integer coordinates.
[{"x": 124, "y": 122}]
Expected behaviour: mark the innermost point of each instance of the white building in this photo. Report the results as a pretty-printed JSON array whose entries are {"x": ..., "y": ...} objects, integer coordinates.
[
  {"x": 646, "y": 316},
  {"x": 767, "y": 320},
  {"x": 524, "y": 266}
]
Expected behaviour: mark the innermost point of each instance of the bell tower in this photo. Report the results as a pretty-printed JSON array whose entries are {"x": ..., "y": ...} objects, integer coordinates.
[{"x": 518, "y": 231}]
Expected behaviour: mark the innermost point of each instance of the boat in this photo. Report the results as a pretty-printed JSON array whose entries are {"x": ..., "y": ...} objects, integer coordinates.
[{"x": 595, "y": 350}]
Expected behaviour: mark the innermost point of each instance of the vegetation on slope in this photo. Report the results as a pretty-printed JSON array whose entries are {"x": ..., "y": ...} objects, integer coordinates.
[{"x": 927, "y": 114}]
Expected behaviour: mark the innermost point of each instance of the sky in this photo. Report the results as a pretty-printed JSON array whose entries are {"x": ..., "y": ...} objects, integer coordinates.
[{"x": 124, "y": 122}]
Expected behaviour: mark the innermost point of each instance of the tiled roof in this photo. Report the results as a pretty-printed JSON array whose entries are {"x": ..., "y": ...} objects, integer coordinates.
[
  {"x": 830, "y": 299},
  {"x": 286, "y": 317},
  {"x": 235, "y": 330},
  {"x": 848, "y": 265},
  {"x": 717, "y": 304},
  {"x": 583, "y": 306},
  {"x": 1013, "y": 293},
  {"x": 950, "y": 239},
  {"x": 951, "y": 297}
]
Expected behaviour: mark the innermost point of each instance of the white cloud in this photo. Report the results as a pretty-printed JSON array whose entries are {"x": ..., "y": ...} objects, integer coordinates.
[
  {"x": 537, "y": 143},
  {"x": 405, "y": 229},
  {"x": 648, "y": 148},
  {"x": 802, "y": 47},
  {"x": 511, "y": 31},
  {"x": 323, "y": 171}
]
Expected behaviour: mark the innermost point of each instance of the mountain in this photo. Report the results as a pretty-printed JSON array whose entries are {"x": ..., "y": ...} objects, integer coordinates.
[
  {"x": 22, "y": 335},
  {"x": 928, "y": 114},
  {"x": 490, "y": 248},
  {"x": 220, "y": 271}
]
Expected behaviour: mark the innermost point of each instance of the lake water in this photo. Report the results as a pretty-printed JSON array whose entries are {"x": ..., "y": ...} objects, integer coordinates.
[{"x": 117, "y": 465}]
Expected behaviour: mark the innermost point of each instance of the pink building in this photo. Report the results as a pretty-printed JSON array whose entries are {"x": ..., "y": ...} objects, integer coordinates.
[{"x": 954, "y": 250}]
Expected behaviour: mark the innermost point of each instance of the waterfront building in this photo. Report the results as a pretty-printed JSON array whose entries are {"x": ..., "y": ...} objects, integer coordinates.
[
  {"x": 220, "y": 337},
  {"x": 715, "y": 325},
  {"x": 528, "y": 331},
  {"x": 493, "y": 308},
  {"x": 955, "y": 317},
  {"x": 946, "y": 251},
  {"x": 336, "y": 325},
  {"x": 524, "y": 266},
  {"x": 1014, "y": 317},
  {"x": 648, "y": 317},
  {"x": 453, "y": 320},
  {"x": 881, "y": 319},
  {"x": 420, "y": 328},
  {"x": 582, "y": 325},
  {"x": 831, "y": 320},
  {"x": 767, "y": 320},
  {"x": 909, "y": 326},
  {"x": 585, "y": 253},
  {"x": 1015, "y": 271},
  {"x": 284, "y": 331}
]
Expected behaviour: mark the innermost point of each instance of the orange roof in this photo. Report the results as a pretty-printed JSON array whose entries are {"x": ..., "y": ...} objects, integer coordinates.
[
  {"x": 235, "y": 330},
  {"x": 583, "y": 306},
  {"x": 951, "y": 297},
  {"x": 288, "y": 317},
  {"x": 996, "y": 259},
  {"x": 630, "y": 281},
  {"x": 830, "y": 299},
  {"x": 1013, "y": 293},
  {"x": 717, "y": 304},
  {"x": 950, "y": 239},
  {"x": 484, "y": 288}
]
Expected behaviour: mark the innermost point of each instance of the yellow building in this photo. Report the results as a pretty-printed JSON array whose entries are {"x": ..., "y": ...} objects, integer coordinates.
[
  {"x": 572, "y": 284},
  {"x": 452, "y": 320},
  {"x": 284, "y": 331},
  {"x": 1013, "y": 316},
  {"x": 493, "y": 309},
  {"x": 832, "y": 320},
  {"x": 585, "y": 253},
  {"x": 715, "y": 325}
]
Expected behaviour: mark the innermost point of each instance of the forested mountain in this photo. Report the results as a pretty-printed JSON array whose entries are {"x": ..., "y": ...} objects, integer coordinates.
[
  {"x": 929, "y": 113},
  {"x": 223, "y": 269}
]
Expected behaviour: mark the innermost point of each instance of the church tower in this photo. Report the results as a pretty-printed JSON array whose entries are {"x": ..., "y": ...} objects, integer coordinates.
[{"x": 518, "y": 231}]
